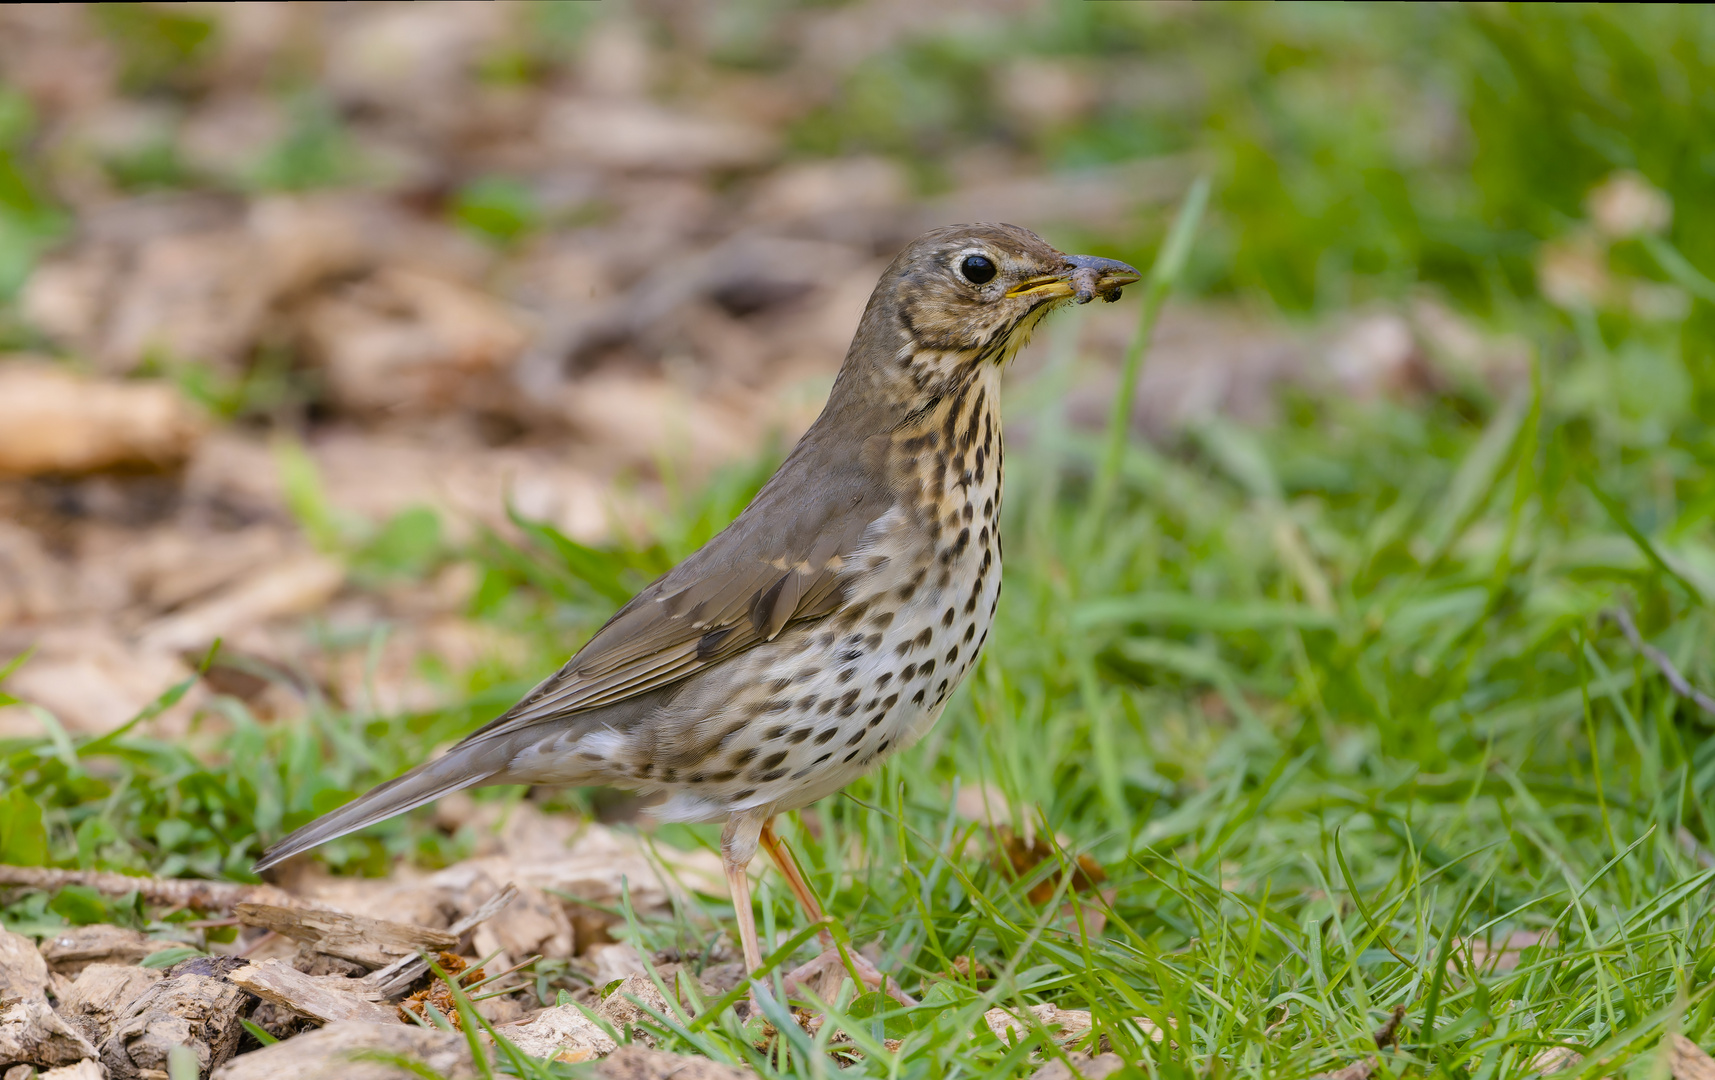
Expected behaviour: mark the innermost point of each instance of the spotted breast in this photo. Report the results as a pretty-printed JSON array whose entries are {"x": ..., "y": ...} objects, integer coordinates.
[{"x": 801, "y": 716}]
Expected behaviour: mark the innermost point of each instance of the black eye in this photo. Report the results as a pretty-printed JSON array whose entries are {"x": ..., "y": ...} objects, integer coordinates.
[{"x": 977, "y": 269}]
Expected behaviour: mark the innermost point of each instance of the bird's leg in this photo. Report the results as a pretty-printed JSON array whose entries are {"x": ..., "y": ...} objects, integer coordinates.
[
  {"x": 788, "y": 865},
  {"x": 738, "y": 847},
  {"x": 831, "y": 964}
]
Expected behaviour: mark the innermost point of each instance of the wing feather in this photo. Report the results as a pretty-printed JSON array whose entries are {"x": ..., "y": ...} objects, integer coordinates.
[{"x": 786, "y": 559}]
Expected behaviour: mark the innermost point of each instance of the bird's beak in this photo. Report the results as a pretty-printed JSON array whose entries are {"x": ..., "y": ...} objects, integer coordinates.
[{"x": 1084, "y": 278}]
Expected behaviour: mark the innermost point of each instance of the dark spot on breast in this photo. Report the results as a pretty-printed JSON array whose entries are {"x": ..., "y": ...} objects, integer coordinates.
[
  {"x": 963, "y": 542},
  {"x": 740, "y": 796},
  {"x": 774, "y": 759},
  {"x": 778, "y": 705},
  {"x": 947, "y": 619},
  {"x": 670, "y": 775},
  {"x": 917, "y": 698},
  {"x": 882, "y": 749},
  {"x": 823, "y": 758},
  {"x": 983, "y": 537},
  {"x": 770, "y": 776},
  {"x": 882, "y": 621},
  {"x": 778, "y": 685},
  {"x": 808, "y": 702},
  {"x": 744, "y": 757},
  {"x": 927, "y": 669},
  {"x": 646, "y": 768},
  {"x": 970, "y": 605},
  {"x": 773, "y": 733},
  {"x": 886, "y": 677},
  {"x": 876, "y": 719},
  {"x": 591, "y": 756},
  {"x": 988, "y": 509},
  {"x": 970, "y": 631},
  {"x": 826, "y": 707},
  {"x": 922, "y": 640},
  {"x": 857, "y": 737},
  {"x": 945, "y": 579},
  {"x": 909, "y": 673},
  {"x": 802, "y": 773},
  {"x": 942, "y": 689},
  {"x": 952, "y": 655},
  {"x": 697, "y": 778},
  {"x": 872, "y": 642},
  {"x": 722, "y": 777},
  {"x": 846, "y": 674},
  {"x": 851, "y": 755},
  {"x": 825, "y": 734},
  {"x": 807, "y": 673},
  {"x": 889, "y": 703},
  {"x": 846, "y": 656},
  {"x": 799, "y": 736}
]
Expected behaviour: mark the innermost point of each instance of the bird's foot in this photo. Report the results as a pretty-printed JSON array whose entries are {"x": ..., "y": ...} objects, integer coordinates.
[{"x": 822, "y": 976}]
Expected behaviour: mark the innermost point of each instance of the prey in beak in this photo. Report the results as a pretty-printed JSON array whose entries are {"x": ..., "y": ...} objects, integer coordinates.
[{"x": 1084, "y": 278}]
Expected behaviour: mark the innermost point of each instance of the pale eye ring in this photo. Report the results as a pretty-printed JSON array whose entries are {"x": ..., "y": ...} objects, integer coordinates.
[{"x": 978, "y": 269}]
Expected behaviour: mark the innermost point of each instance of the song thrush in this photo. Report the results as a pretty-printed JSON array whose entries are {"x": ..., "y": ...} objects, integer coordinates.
[{"x": 824, "y": 628}]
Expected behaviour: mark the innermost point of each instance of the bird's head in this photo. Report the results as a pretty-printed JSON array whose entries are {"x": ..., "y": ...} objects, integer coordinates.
[{"x": 972, "y": 294}]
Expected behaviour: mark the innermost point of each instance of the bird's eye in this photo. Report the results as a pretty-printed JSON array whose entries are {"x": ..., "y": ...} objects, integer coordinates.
[{"x": 977, "y": 269}]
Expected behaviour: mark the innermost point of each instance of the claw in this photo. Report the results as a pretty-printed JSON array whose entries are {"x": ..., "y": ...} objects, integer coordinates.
[{"x": 829, "y": 970}]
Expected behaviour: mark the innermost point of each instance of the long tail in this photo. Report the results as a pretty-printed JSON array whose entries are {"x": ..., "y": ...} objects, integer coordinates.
[{"x": 459, "y": 768}]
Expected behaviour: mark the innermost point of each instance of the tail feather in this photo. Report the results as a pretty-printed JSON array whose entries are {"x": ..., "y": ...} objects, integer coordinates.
[{"x": 451, "y": 772}]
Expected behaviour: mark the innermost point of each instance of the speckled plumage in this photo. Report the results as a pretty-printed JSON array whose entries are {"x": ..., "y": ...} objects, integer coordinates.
[{"x": 828, "y": 625}]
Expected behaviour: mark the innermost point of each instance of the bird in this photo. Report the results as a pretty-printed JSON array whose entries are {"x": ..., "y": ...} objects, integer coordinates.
[{"x": 826, "y": 627}]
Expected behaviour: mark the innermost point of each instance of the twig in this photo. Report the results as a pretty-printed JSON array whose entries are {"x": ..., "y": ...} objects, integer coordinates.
[
  {"x": 1678, "y": 682},
  {"x": 209, "y": 896},
  {"x": 397, "y": 977}
]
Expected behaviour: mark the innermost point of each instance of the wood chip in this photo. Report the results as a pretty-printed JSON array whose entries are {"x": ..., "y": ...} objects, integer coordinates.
[
  {"x": 31, "y": 1032},
  {"x": 71, "y": 950},
  {"x": 23, "y": 972},
  {"x": 101, "y": 995},
  {"x": 634, "y": 1062},
  {"x": 1358, "y": 1070},
  {"x": 374, "y": 943},
  {"x": 197, "y": 1011},
  {"x": 1555, "y": 1059},
  {"x": 1688, "y": 1061},
  {"x": 57, "y": 421},
  {"x": 562, "y": 1033},
  {"x": 398, "y": 976},
  {"x": 1066, "y": 1025},
  {"x": 1082, "y": 1065},
  {"x": 83, "y": 1070},
  {"x": 206, "y": 896},
  {"x": 325, "y": 998},
  {"x": 335, "y": 1053}
]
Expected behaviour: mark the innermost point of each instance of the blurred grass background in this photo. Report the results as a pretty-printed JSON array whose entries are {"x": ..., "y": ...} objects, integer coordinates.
[{"x": 1344, "y": 706}]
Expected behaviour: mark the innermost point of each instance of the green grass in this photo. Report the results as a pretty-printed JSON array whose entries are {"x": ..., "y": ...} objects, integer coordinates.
[
  {"x": 1332, "y": 703},
  {"x": 1339, "y": 705}
]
